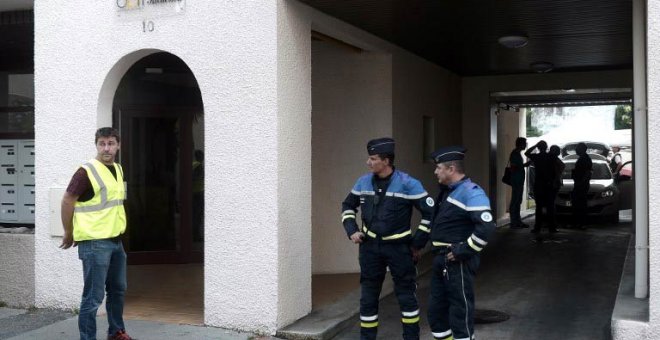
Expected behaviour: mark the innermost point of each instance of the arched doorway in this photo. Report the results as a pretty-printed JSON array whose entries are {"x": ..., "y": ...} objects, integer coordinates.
[{"x": 159, "y": 110}]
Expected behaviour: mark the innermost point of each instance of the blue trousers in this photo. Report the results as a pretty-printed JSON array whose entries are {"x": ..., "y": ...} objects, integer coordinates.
[
  {"x": 104, "y": 270},
  {"x": 451, "y": 305},
  {"x": 375, "y": 257}
]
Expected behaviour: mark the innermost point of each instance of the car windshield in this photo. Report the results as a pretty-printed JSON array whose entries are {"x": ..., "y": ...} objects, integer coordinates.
[
  {"x": 596, "y": 148},
  {"x": 599, "y": 171}
]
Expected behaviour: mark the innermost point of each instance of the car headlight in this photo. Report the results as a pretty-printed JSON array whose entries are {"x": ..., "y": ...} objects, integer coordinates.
[{"x": 607, "y": 193}]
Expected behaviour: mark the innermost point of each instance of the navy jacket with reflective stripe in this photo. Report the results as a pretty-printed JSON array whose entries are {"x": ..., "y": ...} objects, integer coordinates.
[
  {"x": 462, "y": 212},
  {"x": 393, "y": 212}
]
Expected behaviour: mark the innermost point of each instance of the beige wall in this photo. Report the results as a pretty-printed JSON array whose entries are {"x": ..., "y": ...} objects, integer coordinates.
[
  {"x": 383, "y": 91},
  {"x": 476, "y": 105},
  {"x": 351, "y": 103},
  {"x": 508, "y": 129},
  {"x": 422, "y": 89}
]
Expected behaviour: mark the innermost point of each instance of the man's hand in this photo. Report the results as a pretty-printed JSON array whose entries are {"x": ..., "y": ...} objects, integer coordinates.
[
  {"x": 451, "y": 257},
  {"x": 67, "y": 241},
  {"x": 416, "y": 254},
  {"x": 357, "y": 237}
]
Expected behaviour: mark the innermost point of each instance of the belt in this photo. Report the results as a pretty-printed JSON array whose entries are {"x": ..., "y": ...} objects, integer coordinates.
[
  {"x": 385, "y": 238},
  {"x": 441, "y": 247},
  {"x": 115, "y": 239}
]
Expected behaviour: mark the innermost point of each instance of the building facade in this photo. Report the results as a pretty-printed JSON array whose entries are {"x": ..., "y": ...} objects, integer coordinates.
[{"x": 279, "y": 110}]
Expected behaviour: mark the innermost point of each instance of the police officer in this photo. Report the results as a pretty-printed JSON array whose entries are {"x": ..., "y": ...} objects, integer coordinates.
[
  {"x": 386, "y": 196},
  {"x": 461, "y": 226}
]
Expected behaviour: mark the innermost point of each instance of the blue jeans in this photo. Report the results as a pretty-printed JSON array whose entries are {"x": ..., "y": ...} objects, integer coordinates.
[{"x": 104, "y": 269}]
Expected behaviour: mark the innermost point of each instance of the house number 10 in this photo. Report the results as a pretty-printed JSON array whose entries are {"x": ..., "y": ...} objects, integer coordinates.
[{"x": 147, "y": 26}]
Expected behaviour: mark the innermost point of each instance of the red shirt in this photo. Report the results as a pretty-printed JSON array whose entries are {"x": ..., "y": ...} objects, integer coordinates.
[{"x": 81, "y": 186}]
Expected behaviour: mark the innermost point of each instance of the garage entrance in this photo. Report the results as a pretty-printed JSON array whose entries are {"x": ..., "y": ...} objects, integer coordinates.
[{"x": 563, "y": 119}]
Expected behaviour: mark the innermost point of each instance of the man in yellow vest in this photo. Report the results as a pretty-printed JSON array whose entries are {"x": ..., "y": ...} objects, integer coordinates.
[{"x": 93, "y": 217}]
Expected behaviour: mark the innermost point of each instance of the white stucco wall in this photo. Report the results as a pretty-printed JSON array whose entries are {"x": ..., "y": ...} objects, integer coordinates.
[
  {"x": 476, "y": 105},
  {"x": 294, "y": 165},
  {"x": 653, "y": 97},
  {"x": 235, "y": 61},
  {"x": 351, "y": 104},
  {"x": 17, "y": 270}
]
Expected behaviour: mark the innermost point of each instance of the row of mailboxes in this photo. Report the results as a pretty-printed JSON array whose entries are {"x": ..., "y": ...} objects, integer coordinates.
[{"x": 17, "y": 181}]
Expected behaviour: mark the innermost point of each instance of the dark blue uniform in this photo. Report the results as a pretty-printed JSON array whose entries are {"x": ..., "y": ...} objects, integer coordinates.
[
  {"x": 386, "y": 212},
  {"x": 462, "y": 224}
]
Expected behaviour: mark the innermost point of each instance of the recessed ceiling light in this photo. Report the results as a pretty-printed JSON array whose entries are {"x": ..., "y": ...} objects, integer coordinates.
[{"x": 513, "y": 41}]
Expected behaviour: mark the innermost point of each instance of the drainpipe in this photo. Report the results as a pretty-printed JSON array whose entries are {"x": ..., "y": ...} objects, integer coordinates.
[{"x": 640, "y": 144}]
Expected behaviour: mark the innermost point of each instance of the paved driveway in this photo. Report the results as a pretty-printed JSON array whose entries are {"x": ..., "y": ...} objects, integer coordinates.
[{"x": 560, "y": 288}]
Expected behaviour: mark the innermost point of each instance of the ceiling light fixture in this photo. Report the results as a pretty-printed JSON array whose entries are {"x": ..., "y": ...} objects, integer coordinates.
[
  {"x": 153, "y": 70},
  {"x": 513, "y": 41},
  {"x": 542, "y": 66}
]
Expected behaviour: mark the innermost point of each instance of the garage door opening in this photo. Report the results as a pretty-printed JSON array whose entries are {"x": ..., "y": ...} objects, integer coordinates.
[{"x": 605, "y": 126}]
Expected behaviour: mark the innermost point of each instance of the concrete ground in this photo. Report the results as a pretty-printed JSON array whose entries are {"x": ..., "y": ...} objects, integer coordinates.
[
  {"x": 562, "y": 287},
  {"x": 142, "y": 330}
]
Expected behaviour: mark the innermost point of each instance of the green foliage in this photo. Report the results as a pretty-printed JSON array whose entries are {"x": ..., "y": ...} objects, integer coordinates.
[
  {"x": 623, "y": 117},
  {"x": 532, "y": 131},
  {"x": 3, "y": 304}
]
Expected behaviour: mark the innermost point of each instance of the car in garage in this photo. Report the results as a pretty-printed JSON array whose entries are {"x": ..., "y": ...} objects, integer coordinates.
[
  {"x": 603, "y": 196},
  {"x": 597, "y": 148}
]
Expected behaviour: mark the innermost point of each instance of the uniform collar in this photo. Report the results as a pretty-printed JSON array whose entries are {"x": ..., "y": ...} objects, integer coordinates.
[{"x": 456, "y": 184}]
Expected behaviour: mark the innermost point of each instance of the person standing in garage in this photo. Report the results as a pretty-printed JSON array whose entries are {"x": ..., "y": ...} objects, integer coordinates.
[
  {"x": 617, "y": 161},
  {"x": 558, "y": 168},
  {"x": 517, "y": 165},
  {"x": 543, "y": 182},
  {"x": 581, "y": 176},
  {"x": 386, "y": 196},
  {"x": 462, "y": 224}
]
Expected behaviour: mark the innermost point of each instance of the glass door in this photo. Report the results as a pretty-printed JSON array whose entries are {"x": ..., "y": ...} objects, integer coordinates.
[{"x": 156, "y": 153}]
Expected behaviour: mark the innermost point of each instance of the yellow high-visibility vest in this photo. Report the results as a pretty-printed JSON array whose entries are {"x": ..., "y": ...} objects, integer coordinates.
[{"x": 103, "y": 216}]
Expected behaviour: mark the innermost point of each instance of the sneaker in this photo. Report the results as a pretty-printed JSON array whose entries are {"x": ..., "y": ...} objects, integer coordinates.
[
  {"x": 515, "y": 227},
  {"x": 120, "y": 335},
  {"x": 523, "y": 225}
]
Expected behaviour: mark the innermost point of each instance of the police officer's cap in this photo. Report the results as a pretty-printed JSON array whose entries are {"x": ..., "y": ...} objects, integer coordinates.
[
  {"x": 380, "y": 146},
  {"x": 449, "y": 153}
]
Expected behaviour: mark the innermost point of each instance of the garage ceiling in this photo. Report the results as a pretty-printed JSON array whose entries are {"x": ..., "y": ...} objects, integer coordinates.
[{"x": 574, "y": 35}]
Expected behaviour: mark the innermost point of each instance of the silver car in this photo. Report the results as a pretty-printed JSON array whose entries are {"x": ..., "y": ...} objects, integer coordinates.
[{"x": 603, "y": 196}]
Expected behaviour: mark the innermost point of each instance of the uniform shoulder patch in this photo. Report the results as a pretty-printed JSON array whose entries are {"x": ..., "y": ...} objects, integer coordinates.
[
  {"x": 430, "y": 202},
  {"x": 486, "y": 216}
]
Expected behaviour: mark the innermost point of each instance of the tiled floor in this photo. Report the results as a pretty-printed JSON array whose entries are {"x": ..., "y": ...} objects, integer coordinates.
[
  {"x": 329, "y": 288},
  {"x": 169, "y": 293},
  {"x": 174, "y": 293}
]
